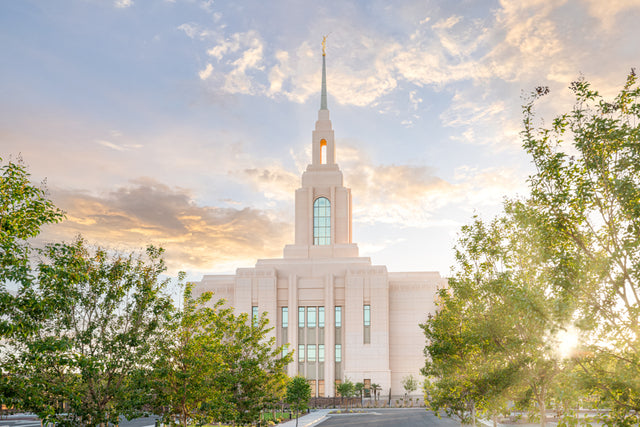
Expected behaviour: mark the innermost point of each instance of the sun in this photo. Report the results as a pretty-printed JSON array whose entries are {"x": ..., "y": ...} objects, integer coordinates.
[{"x": 567, "y": 340}]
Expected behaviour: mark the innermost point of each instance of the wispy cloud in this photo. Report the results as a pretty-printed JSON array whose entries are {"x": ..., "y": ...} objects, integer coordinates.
[
  {"x": 516, "y": 46},
  {"x": 237, "y": 56},
  {"x": 204, "y": 74},
  {"x": 415, "y": 196},
  {"x": 118, "y": 147},
  {"x": 123, "y": 3},
  {"x": 273, "y": 181}
]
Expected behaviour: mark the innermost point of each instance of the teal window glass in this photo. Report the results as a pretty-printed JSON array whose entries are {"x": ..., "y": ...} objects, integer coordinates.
[
  {"x": 254, "y": 315},
  {"x": 320, "y": 352},
  {"x": 367, "y": 315},
  {"x": 311, "y": 353},
  {"x": 321, "y": 221},
  {"x": 338, "y": 352},
  {"x": 320, "y": 317},
  {"x": 300, "y": 317},
  {"x": 338, "y": 317},
  {"x": 301, "y": 353},
  {"x": 285, "y": 317},
  {"x": 311, "y": 317}
]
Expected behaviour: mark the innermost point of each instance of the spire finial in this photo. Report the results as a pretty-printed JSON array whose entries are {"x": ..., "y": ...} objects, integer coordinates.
[{"x": 323, "y": 93}]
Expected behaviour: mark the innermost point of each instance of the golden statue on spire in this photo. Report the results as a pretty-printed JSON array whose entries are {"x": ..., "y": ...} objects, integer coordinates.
[{"x": 324, "y": 44}]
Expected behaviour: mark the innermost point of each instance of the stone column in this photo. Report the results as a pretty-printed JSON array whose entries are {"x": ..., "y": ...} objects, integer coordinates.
[
  {"x": 329, "y": 336},
  {"x": 293, "y": 323}
]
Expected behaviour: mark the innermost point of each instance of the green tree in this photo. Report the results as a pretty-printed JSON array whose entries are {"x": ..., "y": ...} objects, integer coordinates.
[
  {"x": 359, "y": 390},
  {"x": 375, "y": 388},
  {"x": 410, "y": 384},
  {"x": 587, "y": 185},
  {"x": 254, "y": 376},
  {"x": 24, "y": 209},
  {"x": 346, "y": 389},
  {"x": 94, "y": 318},
  {"x": 298, "y": 394},
  {"x": 493, "y": 336},
  {"x": 451, "y": 379},
  {"x": 188, "y": 360}
]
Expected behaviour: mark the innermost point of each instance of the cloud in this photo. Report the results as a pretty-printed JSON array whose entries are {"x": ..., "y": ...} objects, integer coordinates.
[
  {"x": 237, "y": 57},
  {"x": 148, "y": 212},
  {"x": 607, "y": 12},
  {"x": 274, "y": 181},
  {"x": 467, "y": 111},
  {"x": 116, "y": 147},
  {"x": 123, "y": 3},
  {"x": 204, "y": 74},
  {"x": 191, "y": 30},
  {"x": 415, "y": 196}
]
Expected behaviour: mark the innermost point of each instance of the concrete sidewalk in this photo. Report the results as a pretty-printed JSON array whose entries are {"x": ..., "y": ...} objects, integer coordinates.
[{"x": 312, "y": 419}]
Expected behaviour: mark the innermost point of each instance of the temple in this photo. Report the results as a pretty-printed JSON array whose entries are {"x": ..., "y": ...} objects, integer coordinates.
[{"x": 343, "y": 316}]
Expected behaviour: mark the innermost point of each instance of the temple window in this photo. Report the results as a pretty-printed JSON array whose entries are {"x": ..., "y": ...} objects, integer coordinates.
[{"x": 321, "y": 221}]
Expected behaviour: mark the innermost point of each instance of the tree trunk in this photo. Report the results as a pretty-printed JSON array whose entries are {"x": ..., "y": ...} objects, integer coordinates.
[
  {"x": 473, "y": 415},
  {"x": 543, "y": 413}
]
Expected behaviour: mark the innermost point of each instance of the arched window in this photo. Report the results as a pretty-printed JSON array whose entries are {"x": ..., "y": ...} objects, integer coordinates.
[{"x": 321, "y": 221}]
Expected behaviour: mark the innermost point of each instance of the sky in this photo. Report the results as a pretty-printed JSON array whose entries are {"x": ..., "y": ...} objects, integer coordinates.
[{"x": 187, "y": 123}]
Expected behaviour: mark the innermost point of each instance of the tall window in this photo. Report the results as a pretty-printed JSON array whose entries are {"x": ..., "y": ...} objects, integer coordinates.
[
  {"x": 338, "y": 353},
  {"x": 321, "y": 221},
  {"x": 300, "y": 317},
  {"x": 338, "y": 317},
  {"x": 254, "y": 315},
  {"x": 320, "y": 352},
  {"x": 367, "y": 325},
  {"x": 285, "y": 317},
  {"x": 367, "y": 315},
  {"x": 300, "y": 352},
  {"x": 311, "y": 317},
  {"x": 320, "y": 317},
  {"x": 323, "y": 151},
  {"x": 311, "y": 353}
]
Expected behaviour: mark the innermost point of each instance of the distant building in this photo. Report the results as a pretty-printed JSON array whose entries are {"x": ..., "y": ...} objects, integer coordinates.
[{"x": 343, "y": 316}]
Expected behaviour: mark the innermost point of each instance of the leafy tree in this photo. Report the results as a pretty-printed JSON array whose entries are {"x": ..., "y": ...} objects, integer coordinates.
[
  {"x": 94, "y": 319},
  {"x": 493, "y": 336},
  {"x": 451, "y": 383},
  {"x": 410, "y": 384},
  {"x": 298, "y": 394},
  {"x": 587, "y": 185},
  {"x": 24, "y": 209},
  {"x": 189, "y": 359},
  {"x": 253, "y": 375}
]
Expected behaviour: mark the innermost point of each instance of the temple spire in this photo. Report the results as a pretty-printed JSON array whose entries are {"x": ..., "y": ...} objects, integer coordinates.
[{"x": 323, "y": 94}]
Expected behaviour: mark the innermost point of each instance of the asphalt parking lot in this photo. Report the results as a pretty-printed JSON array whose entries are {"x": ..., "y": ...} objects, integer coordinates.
[{"x": 388, "y": 417}]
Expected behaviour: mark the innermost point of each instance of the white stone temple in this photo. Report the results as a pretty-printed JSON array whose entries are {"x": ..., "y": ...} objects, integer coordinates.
[{"x": 343, "y": 316}]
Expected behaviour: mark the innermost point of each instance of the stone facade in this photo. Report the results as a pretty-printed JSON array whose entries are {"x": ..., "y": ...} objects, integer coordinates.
[{"x": 343, "y": 316}]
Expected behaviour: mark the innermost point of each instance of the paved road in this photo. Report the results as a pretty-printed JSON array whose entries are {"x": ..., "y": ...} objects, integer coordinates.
[
  {"x": 388, "y": 417},
  {"x": 24, "y": 422},
  {"x": 374, "y": 418},
  {"x": 33, "y": 421}
]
